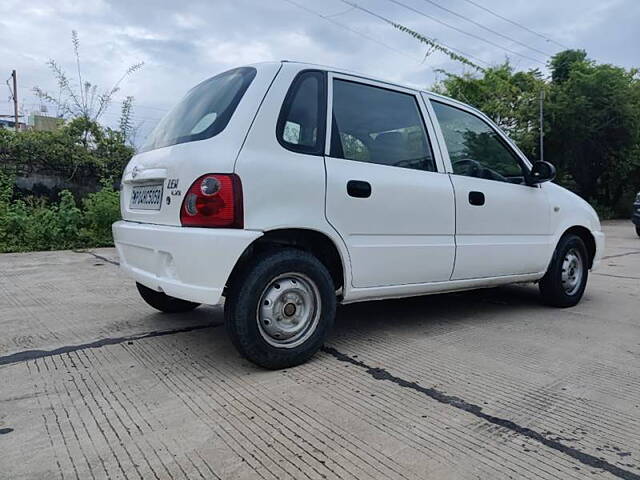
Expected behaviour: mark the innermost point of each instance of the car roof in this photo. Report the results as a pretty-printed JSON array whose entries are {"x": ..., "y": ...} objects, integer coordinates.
[
  {"x": 373, "y": 78},
  {"x": 315, "y": 66}
]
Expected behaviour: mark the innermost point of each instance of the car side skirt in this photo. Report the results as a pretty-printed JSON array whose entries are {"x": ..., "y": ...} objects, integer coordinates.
[{"x": 399, "y": 291}]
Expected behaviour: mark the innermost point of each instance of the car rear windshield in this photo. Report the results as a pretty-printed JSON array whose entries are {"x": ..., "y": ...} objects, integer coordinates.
[{"x": 204, "y": 111}]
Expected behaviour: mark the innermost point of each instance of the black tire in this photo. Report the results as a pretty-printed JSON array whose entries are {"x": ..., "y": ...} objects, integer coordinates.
[
  {"x": 556, "y": 293},
  {"x": 251, "y": 287},
  {"x": 638, "y": 230},
  {"x": 163, "y": 302}
]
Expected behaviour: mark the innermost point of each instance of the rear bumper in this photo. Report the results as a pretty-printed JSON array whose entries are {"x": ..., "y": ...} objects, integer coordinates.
[
  {"x": 599, "y": 238},
  {"x": 188, "y": 263}
]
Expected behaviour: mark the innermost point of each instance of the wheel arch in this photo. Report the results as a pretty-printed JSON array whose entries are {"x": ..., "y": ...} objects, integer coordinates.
[
  {"x": 313, "y": 241},
  {"x": 587, "y": 237}
]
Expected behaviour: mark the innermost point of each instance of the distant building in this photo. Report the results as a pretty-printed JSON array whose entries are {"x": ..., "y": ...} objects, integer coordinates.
[
  {"x": 44, "y": 123},
  {"x": 9, "y": 124}
]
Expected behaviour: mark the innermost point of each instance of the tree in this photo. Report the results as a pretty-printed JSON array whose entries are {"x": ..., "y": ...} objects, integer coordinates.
[
  {"x": 81, "y": 99},
  {"x": 509, "y": 98},
  {"x": 594, "y": 125},
  {"x": 592, "y": 121},
  {"x": 128, "y": 130},
  {"x": 563, "y": 62}
]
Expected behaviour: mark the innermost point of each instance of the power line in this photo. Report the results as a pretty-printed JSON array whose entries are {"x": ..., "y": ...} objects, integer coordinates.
[
  {"x": 395, "y": 24},
  {"x": 478, "y": 24},
  {"x": 477, "y": 37},
  {"x": 516, "y": 24},
  {"x": 338, "y": 14},
  {"x": 346, "y": 27}
]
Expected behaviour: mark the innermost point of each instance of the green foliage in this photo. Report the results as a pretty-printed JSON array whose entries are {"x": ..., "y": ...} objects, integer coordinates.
[
  {"x": 486, "y": 145},
  {"x": 594, "y": 128},
  {"x": 509, "y": 98},
  {"x": 81, "y": 152},
  {"x": 81, "y": 146},
  {"x": 126, "y": 127},
  {"x": 101, "y": 209},
  {"x": 563, "y": 63},
  {"x": 592, "y": 121},
  {"x": 34, "y": 224}
]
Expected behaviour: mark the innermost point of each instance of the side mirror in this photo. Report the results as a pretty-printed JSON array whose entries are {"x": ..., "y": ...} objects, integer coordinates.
[{"x": 541, "y": 172}]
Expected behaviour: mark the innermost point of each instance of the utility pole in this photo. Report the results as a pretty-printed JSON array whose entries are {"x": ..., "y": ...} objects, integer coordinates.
[
  {"x": 541, "y": 125},
  {"x": 15, "y": 97}
]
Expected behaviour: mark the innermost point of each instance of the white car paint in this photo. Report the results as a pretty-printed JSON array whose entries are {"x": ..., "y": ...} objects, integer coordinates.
[
  {"x": 188, "y": 263},
  {"x": 391, "y": 237},
  {"x": 415, "y": 235},
  {"x": 507, "y": 235},
  {"x": 187, "y": 161},
  {"x": 569, "y": 210}
]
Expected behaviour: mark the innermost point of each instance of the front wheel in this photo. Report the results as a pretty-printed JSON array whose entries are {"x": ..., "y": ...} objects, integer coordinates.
[
  {"x": 280, "y": 309},
  {"x": 566, "y": 279}
]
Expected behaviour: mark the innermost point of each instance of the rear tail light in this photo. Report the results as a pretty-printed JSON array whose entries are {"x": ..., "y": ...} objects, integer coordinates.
[{"x": 214, "y": 200}]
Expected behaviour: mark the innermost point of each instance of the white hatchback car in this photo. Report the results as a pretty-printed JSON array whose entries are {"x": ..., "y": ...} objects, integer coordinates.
[{"x": 285, "y": 188}]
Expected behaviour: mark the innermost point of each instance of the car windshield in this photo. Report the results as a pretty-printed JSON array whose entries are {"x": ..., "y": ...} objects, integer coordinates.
[{"x": 204, "y": 111}]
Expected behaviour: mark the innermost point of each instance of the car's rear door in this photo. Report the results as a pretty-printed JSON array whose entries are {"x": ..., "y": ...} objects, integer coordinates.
[
  {"x": 387, "y": 193},
  {"x": 502, "y": 224}
]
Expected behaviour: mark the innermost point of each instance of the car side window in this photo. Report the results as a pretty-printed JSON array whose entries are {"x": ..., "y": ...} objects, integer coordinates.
[
  {"x": 301, "y": 124},
  {"x": 378, "y": 125},
  {"x": 475, "y": 148}
]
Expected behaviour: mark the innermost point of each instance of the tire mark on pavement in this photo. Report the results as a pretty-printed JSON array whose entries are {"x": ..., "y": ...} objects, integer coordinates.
[
  {"x": 636, "y": 252},
  {"x": 615, "y": 276},
  {"x": 33, "y": 354},
  {"x": 99, "y": 257},
  {"x": 459, "y": 403}
]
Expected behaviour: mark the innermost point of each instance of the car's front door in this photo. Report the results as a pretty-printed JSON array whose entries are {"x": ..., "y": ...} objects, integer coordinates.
[
  {"x": 386, "y": 196},
  {"x": 502, "y": 224}
]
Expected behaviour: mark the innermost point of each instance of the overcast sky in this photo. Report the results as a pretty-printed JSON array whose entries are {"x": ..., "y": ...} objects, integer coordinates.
[{"x": 185, "y": 42}]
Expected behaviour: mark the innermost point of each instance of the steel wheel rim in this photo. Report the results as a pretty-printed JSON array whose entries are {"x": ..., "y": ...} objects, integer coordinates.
[
  {"x": 572, "y": 271},
  {"x": 289, "y": 310}
]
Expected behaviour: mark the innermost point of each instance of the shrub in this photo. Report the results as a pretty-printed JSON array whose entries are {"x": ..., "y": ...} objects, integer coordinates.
[
  {"x": 66, "y": 152},
  {"x": 36, "y": 224},
  {"x": 101, "y": 209}
]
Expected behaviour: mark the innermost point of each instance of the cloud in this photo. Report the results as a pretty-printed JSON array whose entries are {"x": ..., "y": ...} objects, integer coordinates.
[{"x": 183, "y": 43}]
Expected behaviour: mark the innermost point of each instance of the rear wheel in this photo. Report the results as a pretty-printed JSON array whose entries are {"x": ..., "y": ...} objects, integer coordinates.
[
  {"x": 163, "y": 302},
  {"x": 280, "y": 309},
  {"x": 566, "y": 279}
]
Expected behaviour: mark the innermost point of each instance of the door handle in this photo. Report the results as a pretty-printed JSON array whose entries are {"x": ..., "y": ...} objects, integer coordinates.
[
  {"x": 476, "y": 198},
  {"x": 359, "y": 188}
]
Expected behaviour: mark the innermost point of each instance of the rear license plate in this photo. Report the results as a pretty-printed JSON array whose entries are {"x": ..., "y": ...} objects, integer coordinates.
[{"x": 146, "y": 197}]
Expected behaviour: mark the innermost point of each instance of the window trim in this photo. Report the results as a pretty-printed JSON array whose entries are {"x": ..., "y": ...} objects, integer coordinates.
[
  {"x": 503, "y": 138},
  {"x": 424, "y": 114},
  {"x": 318, "y": 149}
]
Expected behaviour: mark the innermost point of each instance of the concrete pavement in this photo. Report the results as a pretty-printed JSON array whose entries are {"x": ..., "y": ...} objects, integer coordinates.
[{"x": 487, "y": 384}]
